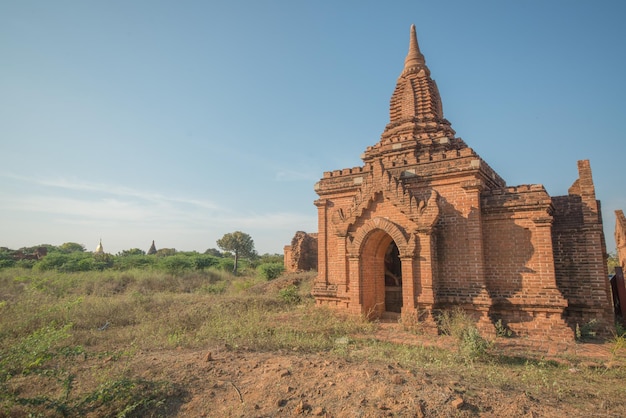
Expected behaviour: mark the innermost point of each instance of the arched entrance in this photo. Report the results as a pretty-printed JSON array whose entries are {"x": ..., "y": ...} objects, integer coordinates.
[{"x": 381, "y": 274}]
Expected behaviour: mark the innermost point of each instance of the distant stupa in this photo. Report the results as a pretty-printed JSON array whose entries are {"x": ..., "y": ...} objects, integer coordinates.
[
  {"x": 99, "y": 249},
  {"x": 152, "y": 249}
]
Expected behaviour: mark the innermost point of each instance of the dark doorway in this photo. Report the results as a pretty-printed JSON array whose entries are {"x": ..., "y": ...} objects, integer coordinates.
[{"x": 393, "y": 279}]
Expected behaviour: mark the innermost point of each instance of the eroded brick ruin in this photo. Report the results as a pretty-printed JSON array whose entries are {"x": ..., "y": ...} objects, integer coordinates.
[
  {"x": 426, "y": 225},
  {"x": 620, "y": 237},
  {"x": 301, "y": 255}
]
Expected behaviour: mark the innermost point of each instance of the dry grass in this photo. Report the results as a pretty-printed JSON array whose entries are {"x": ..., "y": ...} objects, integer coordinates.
[
  {"x": 55, "y": 327},
  {"x": 50, "y": 320}
]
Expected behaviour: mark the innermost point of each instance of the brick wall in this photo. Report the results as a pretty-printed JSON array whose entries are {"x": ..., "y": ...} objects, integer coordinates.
[
  {"x": 301, "y": 255},
  {"x": 580, "y": 253}
]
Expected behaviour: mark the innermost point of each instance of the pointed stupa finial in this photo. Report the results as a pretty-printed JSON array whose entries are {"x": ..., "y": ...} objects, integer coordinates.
[
  {"x": 414, "y": 58},
  {"x": 99, "y": 248}
]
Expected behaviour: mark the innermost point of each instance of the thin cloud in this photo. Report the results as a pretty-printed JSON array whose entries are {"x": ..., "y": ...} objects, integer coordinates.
[
  {"x": 112, "y": 189},
  {"x": 106, "y": 209},
  {"x": 125, "y": 205}
]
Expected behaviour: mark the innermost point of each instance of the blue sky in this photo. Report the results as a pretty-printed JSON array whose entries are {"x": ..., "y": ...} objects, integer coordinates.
[{"x": 133, "y": 121}]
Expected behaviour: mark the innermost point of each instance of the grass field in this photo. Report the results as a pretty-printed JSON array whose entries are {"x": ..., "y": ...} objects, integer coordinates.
[{"x": 68, "y": 341}]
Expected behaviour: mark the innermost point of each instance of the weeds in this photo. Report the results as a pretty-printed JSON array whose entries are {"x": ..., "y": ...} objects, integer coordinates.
[
  {"x": 289, "y": 294},
  {"x": 31, "y": 353},
  {"x": 587, "y": 330},
  {"x": 127, "y": 398},
  {"x": 457, "y": 323},
  {"x": 57, "y": 357},
  {"x": 618, "y": 341},
  {"x": 502, "y": 330}
]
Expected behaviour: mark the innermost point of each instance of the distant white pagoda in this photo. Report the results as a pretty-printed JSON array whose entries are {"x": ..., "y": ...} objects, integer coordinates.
[{"x": 99, "y": 249}]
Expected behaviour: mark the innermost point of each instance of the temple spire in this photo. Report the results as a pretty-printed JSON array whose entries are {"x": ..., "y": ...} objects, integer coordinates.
[
  {"x": 415, "y": 110},
  {"x": 152, "y": 249},
  {"x": 99, "y": 248},
  {"x": 414, "y": 58}
]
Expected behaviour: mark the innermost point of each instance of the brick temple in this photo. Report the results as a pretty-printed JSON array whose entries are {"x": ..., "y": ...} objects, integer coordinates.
[{"x": 426, "y": 225}]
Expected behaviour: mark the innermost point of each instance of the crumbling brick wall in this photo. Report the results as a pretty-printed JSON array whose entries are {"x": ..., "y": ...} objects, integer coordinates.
[
  {"x": 580, "y": 252},
  {"x": 301, "y": 255},
  {"x": 620, "y": 237}
]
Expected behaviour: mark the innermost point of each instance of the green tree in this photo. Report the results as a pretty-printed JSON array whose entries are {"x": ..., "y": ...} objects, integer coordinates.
[
  {"x": 213, "y": 252},
  {"x": 239, "y": 243},
  {"x": 72, "y": 247},
  {"x": 176, "y": 264},
  {"x": 166, "y": 252},
  {"x": 270, "y": 271},
  {"x": 6, "y": 257},
  {"x": 132, "y": 251}
]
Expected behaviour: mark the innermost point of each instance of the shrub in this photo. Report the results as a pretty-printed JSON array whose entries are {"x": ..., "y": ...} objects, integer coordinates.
[
  {"x": 25, "y": 264},
  {"x": 66, "y": 262},
  {"x": 202, "y": 261},
  {"x": 454, "y": 322},
  {"x": 460, "y": 325},
  {"x": 128, "y": 262},
  {"x": 270, "y": 271},
  {"x": 226, "y": 264},
  {"x": 290, "y": 294},
  {"x": 6, "y": 258},
  {"x": 472, "y": 346},
  {"x": 175, "y": 264}
]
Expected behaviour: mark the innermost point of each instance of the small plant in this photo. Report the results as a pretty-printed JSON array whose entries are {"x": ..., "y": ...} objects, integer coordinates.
[
  {"x": 618, "y": 344},
  {"x": 586, "y": 331},
  {"x": 502, "y": 330},
  {"x": 454, "y": 322},
  {"x": 472, "y": 345},
  {"x": 618, "y": 341},
  {"x": 459, "y": 324},
  {"x": 290, "y": 294},
  {"x": 127, "y": 398}
]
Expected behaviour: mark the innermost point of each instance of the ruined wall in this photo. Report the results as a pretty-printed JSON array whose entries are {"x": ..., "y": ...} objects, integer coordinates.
[
  {"x": 580, "y": 253},
  {"x": 301, "y": 255},
  {"x": 620, "y": 237}
]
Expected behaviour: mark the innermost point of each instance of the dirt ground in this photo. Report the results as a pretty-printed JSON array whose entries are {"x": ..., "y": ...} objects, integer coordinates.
[{"x": 227, "y": 383}]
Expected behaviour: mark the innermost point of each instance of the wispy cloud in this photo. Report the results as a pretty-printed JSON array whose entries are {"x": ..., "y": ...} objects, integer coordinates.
[
  {"x": 112, "y": 189},
  {"x": 120, "y": 204}
]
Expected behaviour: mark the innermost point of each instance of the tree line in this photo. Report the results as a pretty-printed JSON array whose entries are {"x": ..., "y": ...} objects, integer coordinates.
[{"x": 237, "y": 252}]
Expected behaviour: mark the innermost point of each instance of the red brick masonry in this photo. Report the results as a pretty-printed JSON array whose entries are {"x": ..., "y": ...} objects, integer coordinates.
[{"x": 425, "y": 225}]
